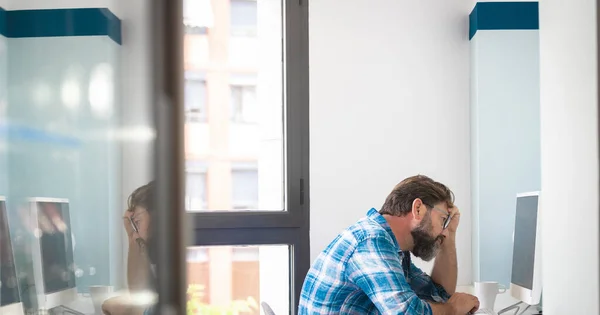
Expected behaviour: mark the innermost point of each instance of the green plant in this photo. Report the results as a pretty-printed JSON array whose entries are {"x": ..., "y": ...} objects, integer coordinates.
[{"x": 195, "y": 306}]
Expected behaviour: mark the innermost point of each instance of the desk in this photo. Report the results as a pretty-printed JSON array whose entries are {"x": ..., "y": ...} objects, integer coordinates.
[{"x": 502, "y": 300}]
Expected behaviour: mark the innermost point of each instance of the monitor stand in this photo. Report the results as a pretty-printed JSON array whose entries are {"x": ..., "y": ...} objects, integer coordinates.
[{"x": 517, "y": 306}]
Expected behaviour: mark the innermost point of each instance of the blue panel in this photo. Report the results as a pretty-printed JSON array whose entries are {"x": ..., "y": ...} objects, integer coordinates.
[
  {"x": 2, "y": 21},
  {"x": 473, "y": 21},
  {"x": 60, "y": 23},
  {"x": 504, "y": 16}
]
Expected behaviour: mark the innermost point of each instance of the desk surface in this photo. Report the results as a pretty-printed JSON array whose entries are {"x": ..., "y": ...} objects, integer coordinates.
[
  {"x": 502, "y": 300},
  {"x": 83, "y": 304}
]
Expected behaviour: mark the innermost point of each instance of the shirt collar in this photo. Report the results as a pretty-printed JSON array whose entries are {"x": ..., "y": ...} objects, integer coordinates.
[{"x": 374, "y": 215}]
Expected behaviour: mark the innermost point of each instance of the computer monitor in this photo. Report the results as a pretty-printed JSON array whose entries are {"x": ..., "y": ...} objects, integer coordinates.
[
  {"x": 526, "y": 279},
  {"x": 10, "y": 300},
  {"x": 52, "y": 254}
]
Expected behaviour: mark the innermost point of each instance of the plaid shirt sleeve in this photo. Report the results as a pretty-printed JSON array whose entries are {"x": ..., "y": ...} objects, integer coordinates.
[
  {"x": 376, "y": 269},
  {"x": 425, "y": 288}
]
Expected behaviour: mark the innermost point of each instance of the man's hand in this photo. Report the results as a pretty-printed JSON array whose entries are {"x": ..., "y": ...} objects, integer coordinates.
[
  {"x": 455, "y": 215},
  {"x": 140, "y": 218},
  {"x": 462, "y": 303}
]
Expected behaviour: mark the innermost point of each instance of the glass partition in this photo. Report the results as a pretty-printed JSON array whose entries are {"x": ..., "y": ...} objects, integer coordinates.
[{"x": 78, "y": 196}]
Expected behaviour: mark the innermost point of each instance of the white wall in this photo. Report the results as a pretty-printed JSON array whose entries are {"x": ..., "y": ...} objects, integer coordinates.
[
  {"x": 389, "y": 99},
  {"x": 569, "y": 131}
]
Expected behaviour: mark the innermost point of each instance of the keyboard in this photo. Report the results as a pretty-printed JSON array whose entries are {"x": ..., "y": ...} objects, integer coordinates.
[{"x": 485, "y": 311}]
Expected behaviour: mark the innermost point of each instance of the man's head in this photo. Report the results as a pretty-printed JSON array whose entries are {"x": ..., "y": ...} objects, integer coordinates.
[
  {"x": 423, "y": 206},
  {"x": 141, "y": 204},
  {"x": 142, "y": 197}
]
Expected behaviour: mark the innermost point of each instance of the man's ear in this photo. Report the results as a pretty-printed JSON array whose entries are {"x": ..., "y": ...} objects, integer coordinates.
[{"x": 418, "y": 209}]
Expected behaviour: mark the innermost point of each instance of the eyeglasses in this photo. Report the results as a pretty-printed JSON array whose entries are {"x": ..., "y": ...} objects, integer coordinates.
[{"x": 446, "y": 220}]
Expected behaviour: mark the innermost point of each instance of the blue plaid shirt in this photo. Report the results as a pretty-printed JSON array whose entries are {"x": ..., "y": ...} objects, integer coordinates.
[{"x": 363, "y": 271}]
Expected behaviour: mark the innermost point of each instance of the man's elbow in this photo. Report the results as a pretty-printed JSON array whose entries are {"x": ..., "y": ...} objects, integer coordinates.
[{"x": 444, "y": 292}]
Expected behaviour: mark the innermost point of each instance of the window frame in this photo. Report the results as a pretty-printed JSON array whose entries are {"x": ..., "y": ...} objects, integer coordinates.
[
  {"x": 289, "y": 227},
  {"x": 296, "y": 139}
]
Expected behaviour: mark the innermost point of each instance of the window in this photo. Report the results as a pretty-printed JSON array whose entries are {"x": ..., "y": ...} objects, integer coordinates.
[
  {"x": 195, "y": 191},
  {"x": 195, "y": 30},
  {"x": 252, "y": 225},
  {"x": 198, "y": 16},
  {"x": 195, "y": 185},
  {"x": 245, "y": 189},
  {"x": 197, "y": 255},
  {"x": 244, "y": 17},
  {"x": 244, "y": 275},
  {"x": 243, "y": 104},
  {"x": 195, "y": 100}
]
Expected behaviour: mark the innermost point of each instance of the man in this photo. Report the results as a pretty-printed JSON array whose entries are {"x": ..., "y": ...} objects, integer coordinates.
[
  {"x": 367, "y": 269},
  {"x": 140, "y": 270}
]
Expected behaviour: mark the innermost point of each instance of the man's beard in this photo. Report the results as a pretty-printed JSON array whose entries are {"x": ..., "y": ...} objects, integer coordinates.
[{"x": 426, "y": 246}]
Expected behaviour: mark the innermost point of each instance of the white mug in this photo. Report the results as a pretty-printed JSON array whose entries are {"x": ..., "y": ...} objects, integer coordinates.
[
  {"x": 486, "y": 292},
  {"x": 99, "y": 294}
]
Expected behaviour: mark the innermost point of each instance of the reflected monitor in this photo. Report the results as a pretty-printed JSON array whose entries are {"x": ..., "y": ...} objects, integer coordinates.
[
  {"x": 52, "y": 254},
  {"x": 10, "y": 301}
]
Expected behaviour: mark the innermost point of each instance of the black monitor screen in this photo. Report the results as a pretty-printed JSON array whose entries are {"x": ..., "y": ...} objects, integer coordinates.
[
  {"x": 9, "y": 292},
  {"x": 56, "y": 246},
  {"x": 524, "y": 241}
]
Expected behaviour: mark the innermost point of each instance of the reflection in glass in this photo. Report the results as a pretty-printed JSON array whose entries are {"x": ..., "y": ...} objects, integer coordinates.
[
  {"x": 52, "y": 252},
  {"x": 101, "y": 90},
  {"x": 76, "y": 124},
  {"x": 10, "y": 301}
]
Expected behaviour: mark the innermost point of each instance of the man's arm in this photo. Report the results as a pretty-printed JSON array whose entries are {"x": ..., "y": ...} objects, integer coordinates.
[
  {"x": 138, "y": 265},
  {"x": 375, "y": 268},
  {"x": 425, "y": 287},
  {"x": 138, "y": 268},
  {"x": 445, "y": 268}
]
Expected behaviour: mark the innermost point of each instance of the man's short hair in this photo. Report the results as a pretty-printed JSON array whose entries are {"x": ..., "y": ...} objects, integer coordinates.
[
  {"x": 399, "y": 201},
  {"x": 143, "y": 197}
]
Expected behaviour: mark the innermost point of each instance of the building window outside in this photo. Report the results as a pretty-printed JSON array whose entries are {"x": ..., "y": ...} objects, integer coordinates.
[
  {"x": 195, "y": 191},
  {"x": 195, "y": 100},
  {"x": 244, "y": 108},
  {"x": 244, "y": 15},
  {"x": 245, "y": 189}
]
